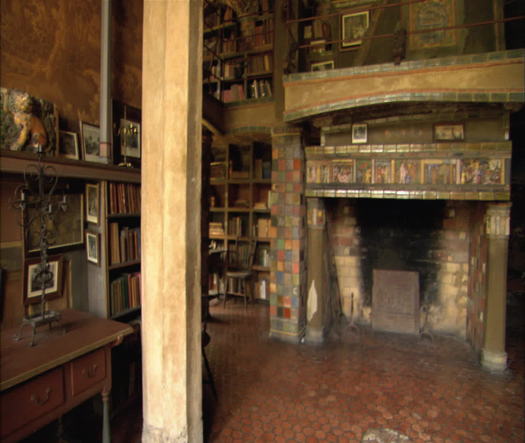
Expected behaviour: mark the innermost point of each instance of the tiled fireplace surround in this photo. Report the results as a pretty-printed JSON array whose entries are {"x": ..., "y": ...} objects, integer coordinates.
[{"x": 449, "y": 222}]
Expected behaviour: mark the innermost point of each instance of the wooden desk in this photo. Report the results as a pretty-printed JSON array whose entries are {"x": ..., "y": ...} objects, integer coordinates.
[{"x": 69, "y": 364}]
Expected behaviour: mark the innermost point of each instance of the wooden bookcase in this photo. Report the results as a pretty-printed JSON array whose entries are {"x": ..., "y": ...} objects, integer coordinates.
[
  {"x": 240, "y": 183},
  {"x": 238, "y": 53}
]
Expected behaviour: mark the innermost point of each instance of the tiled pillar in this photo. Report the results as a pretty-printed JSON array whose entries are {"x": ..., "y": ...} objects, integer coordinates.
[
  {"x": 497, "y": 222},
  {"x": 317, "y": 280},
  {"x": 287, "y": 235},
  {"x": 171, "y": 189}
]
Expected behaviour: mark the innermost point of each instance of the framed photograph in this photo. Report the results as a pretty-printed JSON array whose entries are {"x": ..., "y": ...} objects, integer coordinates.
[
  {"x": 68, "y": 145},
  {"x": 93, "y": 247},
  {"x": 322, "y": 66},
  {"x": 353, "y": 28},
  {"x": 129, "y": 138},
  {"x": 66, "y": 226},
  {"x": 449, "y": 132},
  {"x": 91, "y": 149},
  {"x": 92, "y": 203},
  {"x": 359, "y": 133},
  {"x": 35, "y": 278}
]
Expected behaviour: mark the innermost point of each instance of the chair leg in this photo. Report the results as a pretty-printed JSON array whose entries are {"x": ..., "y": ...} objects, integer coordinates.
[{"x": 208, "y": 371}]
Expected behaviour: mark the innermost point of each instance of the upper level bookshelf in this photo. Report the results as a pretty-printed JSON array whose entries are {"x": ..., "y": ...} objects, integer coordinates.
[{"x": 238, "y": 52}]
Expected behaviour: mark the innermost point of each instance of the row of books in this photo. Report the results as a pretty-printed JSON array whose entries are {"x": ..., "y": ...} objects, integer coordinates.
[
  {"x": 124, "y": 244},
  {"x": 232, "y": 70},
  {"x": 235, "y": 93},
  {"x": 262, "y": 168},
  {"x": 124, "y": 198},
  {"x": 215, "y": 228},
  {"x": 260, "y": 89},
  {"x": 235, "y": 226},
  {"x": 260, "y": 63},
  {"x": 125, "y": 292}
]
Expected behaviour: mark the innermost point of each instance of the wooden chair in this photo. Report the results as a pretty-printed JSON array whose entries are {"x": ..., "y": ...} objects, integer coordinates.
[{"x": 239, "y": 272}]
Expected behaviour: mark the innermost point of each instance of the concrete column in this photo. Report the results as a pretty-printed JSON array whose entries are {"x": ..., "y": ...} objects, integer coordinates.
[
  {"x": 317, "y": 280},
  {"x": 171, "y": 188},
  {"x": 497, "y": 222}
]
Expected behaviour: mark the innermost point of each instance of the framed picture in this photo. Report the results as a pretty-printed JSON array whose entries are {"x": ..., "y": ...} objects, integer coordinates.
[
  {"x": 91, "y": 149},
  {"x": 93, "y": 247},
  {"x": 35, "y": 278},
  {"x": 359, "y": 133},
  {"x": 322, "y": 66},
  {"x": 449, "y": 132},
  {"x": 129, "y": 138},
  {"x": 68, "y": 145},
  {"x": 92, "y": 202},
  {"x": 66, "y": 226},
  {"x": 353, "y": 28}
]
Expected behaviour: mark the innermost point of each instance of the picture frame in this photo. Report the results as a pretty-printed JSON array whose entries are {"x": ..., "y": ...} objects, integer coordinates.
[
  {"x": 67, "y": 226},
  {"x": 359, "y": 133},
  {"x": 91, "y": 149},
  {"x": 322, "y": 66},
  {"x": 449, "y": 132},
  {"x": 68, "y": 145},
  {"x": 93, "y": 247},
  {"x": 93, "y": 203},
  {"x": 129, "y": 138},
  {"x": 33, "y": 286},
  {"x": 353, "y": 28}
]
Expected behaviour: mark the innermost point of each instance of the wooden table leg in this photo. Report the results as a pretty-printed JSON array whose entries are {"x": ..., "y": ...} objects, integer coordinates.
[{"x": 106, "y": 428}]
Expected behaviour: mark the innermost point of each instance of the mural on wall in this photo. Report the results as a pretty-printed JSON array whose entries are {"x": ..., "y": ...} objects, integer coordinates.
[
  {"x": 461, "y": 174},
  {"x": 27, "y": 122},
  {"x": 428, "y": 15}
]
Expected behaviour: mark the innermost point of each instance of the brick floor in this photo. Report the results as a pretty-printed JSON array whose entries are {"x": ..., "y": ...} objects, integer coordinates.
[{"x": 429, "y": 391}]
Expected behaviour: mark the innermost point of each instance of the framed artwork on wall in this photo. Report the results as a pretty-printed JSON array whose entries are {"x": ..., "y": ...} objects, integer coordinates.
[
  {"x": 91, "y": 149},
  {"x": 35, "y": 277},
  {"x": 93, "y": 247},
  {"x": 359, "y": 133},
  {"x": 92, "y": 203},
  {"x": 353, "y": 28},
  {"x": 66, "y": 226},
  {"x": 68, "y": 145},
  {"x": 449, "y": 132},
  {"x": 322, "y": 66}
]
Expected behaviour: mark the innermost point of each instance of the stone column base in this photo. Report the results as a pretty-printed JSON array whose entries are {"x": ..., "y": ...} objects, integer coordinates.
[{"x": 494, "y": 361}]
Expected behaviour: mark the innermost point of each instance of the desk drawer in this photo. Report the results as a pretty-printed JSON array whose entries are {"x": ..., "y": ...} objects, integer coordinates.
[
  {"x": 87, "y": 371},
  {"x": 26, "y": 402}
]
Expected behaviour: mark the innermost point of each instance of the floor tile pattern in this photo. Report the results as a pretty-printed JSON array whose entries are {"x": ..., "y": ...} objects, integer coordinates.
[{"x": 430, "y": 391}]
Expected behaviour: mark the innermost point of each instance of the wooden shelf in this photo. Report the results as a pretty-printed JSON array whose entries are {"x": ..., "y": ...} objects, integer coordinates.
[
  {"x": 16, "y": 163},
  {"x": 261, "y": 268},
  {"x": 125, "y": 312},
  {"x": 116, "y": 216},
  {"x": 123, "y": 265}
]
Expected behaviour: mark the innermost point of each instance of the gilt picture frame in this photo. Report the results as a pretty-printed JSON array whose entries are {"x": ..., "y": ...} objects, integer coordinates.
[{"x": 353, "y": 29}]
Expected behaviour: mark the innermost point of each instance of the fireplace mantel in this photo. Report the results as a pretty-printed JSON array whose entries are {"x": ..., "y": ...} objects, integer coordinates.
[
  {"x": 495, "y": 77},
  {"x": 450, "y": 171}
]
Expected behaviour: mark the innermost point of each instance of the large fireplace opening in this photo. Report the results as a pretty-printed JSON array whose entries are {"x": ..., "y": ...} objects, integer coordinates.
[{"x": 439, "y": 241}]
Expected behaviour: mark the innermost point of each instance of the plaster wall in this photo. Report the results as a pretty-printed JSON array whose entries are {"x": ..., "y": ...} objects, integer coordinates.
[{"x": 51, "y": 49}]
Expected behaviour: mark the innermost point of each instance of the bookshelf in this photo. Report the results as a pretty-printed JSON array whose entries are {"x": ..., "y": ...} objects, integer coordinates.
[
  {"x": 114, "y": 283},
  {"x": 240, "y": 182},
  {"x": 238, "y": 52}
]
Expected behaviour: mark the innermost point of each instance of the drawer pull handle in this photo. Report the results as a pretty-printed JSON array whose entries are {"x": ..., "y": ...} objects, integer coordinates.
[
  {"x": 90, "y": 372},
  {"x": 41, "y": 401}
]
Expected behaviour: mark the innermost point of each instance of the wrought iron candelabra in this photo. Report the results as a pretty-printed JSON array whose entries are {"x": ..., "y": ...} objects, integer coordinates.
[{"x": 34, "y": 199}]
